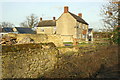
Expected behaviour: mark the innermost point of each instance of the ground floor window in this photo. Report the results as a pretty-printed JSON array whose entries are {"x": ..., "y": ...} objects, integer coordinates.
[{"x": 84, "y": 36}]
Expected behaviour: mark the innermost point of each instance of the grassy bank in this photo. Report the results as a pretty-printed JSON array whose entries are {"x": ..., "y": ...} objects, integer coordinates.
[{"x": 90, "y": 61}]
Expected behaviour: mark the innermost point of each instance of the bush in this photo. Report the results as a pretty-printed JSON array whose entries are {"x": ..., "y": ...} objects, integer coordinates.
[{"x": 116, "y": 37}]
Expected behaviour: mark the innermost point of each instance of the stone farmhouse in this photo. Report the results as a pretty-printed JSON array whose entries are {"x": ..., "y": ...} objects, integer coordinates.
[
  {"x": 69, "y": 26},
  {"x": 46, "y": 26}
]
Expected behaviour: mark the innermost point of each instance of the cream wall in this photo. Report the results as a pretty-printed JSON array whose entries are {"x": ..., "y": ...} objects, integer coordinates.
[
  {"x": 65, "y": 25},
  {"x": 45, "y": 30},
  {"x": 66, "y": 28},
  {"x": 67, "y": 38},
  {"x": 80, "y": 30}
]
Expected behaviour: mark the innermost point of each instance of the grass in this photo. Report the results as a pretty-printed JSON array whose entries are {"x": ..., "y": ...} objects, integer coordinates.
[
  {"x": 85, "y": 65},
  {"x": 84, "y": 45},
  {"x": 67, "y": 43}
]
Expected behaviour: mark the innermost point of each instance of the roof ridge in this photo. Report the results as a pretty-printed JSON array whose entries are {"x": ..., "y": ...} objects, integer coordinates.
[
  {"x": 47, "y": 23},
  {"x": 47, "y": 20},
  {"x": 79, "y": 19}
]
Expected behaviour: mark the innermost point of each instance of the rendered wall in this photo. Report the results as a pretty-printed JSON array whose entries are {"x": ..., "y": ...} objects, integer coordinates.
[{"x": 46, "y": 30}]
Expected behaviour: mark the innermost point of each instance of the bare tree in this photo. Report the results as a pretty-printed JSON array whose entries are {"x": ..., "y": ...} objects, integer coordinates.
[
  {"x": 6, "y": 24},
  {"x": 109, "y": 13},
  {"x": 31, "y": 21}
]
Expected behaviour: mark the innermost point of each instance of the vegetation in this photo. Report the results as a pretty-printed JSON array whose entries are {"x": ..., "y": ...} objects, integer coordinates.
[
  {"x": 6, "y": 24},
  {"x": 31, "y": 21},
  {"x": 109, "y": 13},
  {"x": 111, "y": 19},
  {"x": 67, "y": 43},
  {"x": 91, "y": 61}
]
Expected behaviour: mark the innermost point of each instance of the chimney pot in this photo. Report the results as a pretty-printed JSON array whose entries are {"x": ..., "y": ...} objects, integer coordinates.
[
  {"x": 40, "y": 19},
  {"x": 80, "y": 14},
  {"x": 65, "y": 9},
  {"x": 53, "y": 18}
]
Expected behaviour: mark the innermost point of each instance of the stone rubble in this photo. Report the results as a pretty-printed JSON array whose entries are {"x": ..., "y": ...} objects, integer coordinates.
[{"x": 8, "y": 40}]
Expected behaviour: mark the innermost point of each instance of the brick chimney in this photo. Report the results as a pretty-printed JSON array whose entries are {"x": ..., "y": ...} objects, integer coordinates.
[
  {"x": 53, "y": 18},
  {"x": 65, "y": 9},
  {"x": 80, "y": 14},
  {"x": 40, "y": 19}
]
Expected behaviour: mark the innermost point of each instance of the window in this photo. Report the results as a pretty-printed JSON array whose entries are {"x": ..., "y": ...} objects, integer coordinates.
[
  {"x": 83, "y": 36},
  {"x": 83, "y": 26}
]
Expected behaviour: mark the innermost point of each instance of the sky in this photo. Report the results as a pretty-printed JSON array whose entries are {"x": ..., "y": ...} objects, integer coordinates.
[{"x": 15, "y": 11}]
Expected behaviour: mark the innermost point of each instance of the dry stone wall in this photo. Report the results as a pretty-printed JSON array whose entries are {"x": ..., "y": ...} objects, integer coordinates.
[
  {"x": 28, "y": 60},
  {"x": 38, "y": 38}
]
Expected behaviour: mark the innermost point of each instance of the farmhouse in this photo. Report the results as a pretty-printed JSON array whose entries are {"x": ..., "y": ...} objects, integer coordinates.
[
  {"x": 46, "y": 26},
  {"x": 69, "y": 26}
]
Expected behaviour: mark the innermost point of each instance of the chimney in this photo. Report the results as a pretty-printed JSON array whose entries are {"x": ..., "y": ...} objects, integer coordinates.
[
  {"x": 53, "y": 18},
  {"x": 40, "y": 19},
  {"x": 65, "y": 9},
  {"x": 80, "y": 14}
]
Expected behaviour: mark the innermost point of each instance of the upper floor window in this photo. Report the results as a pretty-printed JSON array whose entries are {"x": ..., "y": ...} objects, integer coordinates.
[{"x": 83, "y": 27}]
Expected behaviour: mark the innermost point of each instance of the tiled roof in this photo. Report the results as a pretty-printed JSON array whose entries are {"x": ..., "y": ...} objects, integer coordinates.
[
  {"x": 79, "y": 19},
  {"x": 90, "y": 29},
  {"x": 24, "y": 30},
  {"x": 7, "y": 29},
  {"x": 47, "y": 23}
]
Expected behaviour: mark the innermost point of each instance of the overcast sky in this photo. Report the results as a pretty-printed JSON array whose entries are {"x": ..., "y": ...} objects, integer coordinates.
[{"x": 15, "y": 11}]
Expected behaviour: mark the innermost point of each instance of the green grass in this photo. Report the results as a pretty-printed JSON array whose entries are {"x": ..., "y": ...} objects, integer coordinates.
[
  {"x": 65, "y": 47},
  {"x": 84, "y": 45},
  {"x": 67, "y": 43}
]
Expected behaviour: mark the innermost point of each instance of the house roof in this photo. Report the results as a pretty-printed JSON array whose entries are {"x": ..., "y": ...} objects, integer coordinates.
[
  {"x": 24, "y": 30},
  {"x": 7, "y": 29},
  {"x": 90, "y": 29},
  {"x": 79, "y": 19},
  {"x": 47, "y": 23}
]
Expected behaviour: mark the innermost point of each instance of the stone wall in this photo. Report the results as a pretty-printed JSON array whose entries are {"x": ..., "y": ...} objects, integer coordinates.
[
  {"x": 40, "y": 38},
  {"x": 28, "y": 60}
]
